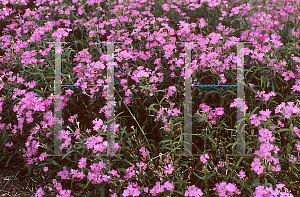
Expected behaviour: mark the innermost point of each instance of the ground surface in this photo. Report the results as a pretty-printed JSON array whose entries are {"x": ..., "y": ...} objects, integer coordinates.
[{"x": 13, "y": 184}]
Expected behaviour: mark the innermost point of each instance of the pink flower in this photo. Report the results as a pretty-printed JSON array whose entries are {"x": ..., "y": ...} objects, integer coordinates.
[
  {"x": 205, "y": 107},
  {"x": 114, "y": 195},
  {"x": 166, "y": 7},
  {"x": 169, "y": 169},
  {"x": 293, "y": 159},
  {"x": 71, "y": 119},
  {"x": 204, "y": 157},
  {"x": 265, "y": 114},
  {"x": 9, "y": 144},
  {"x": 82, "y": 162},
  {"x": 296, "y": 130},
  {"x": 223, "y": 80},
  {"x": 30, "y": 85},
  {"x": 169, "y": 186},
  {"x": 241, "y": 174},
  {"x": 64, "y": 134},
  {"x": 251, "y": 85},
  {"x": 64, "y": 174},
  {"x": 279, "y": 186},
  {"x": 100, "y": 147},
  {"x": 220, "y": 27},
  {"x": 298, "y": 145},
  {"x": 114, "y": 173},
  {"x": 144, "y": 152},
  {"x": 231, "y": 188},
  {"x": 142, "y": 73},
  {"x": 157, "y": 189},
  {"x": 235, "y": 10},
  {"x": 146, "y": 189},
  {"x": 256, "y": 166},
  {"x": 97, "y": 124},
  {"x": 215, "y": 37},
  {"x": 193, "y": 191},
  {"x": 43, "y": 156},
  {"x": 132, "y": 189},
  {"x": 240, "y": 103},
  {"x": 213, "y": 122},
  {"x": 69, "y": 92},
  {"x": 202, "y": 22},
  {"x": 141, "y": 164},
  {"x": 39, "y": 192},
  {"x": 65, "y": 193},
  {"x": 219, "y": 111},
  {"x": 223, "y": 188},
  {"x": 296, "y": 59}
]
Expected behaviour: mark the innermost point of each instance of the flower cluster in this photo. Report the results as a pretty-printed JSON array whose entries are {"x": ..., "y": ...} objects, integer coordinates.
[
  {"x": 28, "y": 58},
  {"x": 266, "y": 96},
  {"x": 226, "y": 189},
  {"x": 293, "y": 159},
  {"x": 287, "y": 110},
  {"x": 193, "y": 191},
  {"x": 239, "y": 103},
  {"x": 161, "y": 115},
  {"x": 257, "y": 120},
  {"x": 269, "y": 191},
  {"x": 132, "y": 189},
  {"x": 93, "y": 143},
  {"x": 210, "y": 114},
  {"x": 160, "y": 188},
  {"x": 144, "y": 152},
  {"x": 223, "y": 80},
  {"x": 265, "y": 152},
  {"x": 60, "y": 32},
  {"x": 95, "y": 173},
  {"x": 58, "y": 187},
  {"x": 171, "y": 90}
]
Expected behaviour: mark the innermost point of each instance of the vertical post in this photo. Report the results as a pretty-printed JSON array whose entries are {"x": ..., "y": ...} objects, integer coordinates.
[
  {"x": 57, "y": 100},
  {"x": 188, "y": 103},
  {"x": 57, "y": 106},
  {"x": 110, "y": 101},
  {"x": 240, "y": 115},
  {"x": 240, "y": 94}
]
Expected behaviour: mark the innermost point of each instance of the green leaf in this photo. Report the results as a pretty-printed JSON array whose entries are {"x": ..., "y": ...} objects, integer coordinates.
[
  {"x": 68, "y": 153},
  {"x": 210, "y": 175},
  {"x": 83, "y": 186},
  {"x": 292, "y": 127},
  {"x": 255, "y": 183},
  {"x": 281, "y": 130},
  {"x": 199, "y": 176},
  {"x": 55, "y": 163},
  {"x": 81, "y": 42},
  {"x": 238, "y": 163}
]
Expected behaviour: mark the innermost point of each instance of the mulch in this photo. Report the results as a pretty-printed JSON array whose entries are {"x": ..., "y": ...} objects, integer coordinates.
[{"x": 13, "y": 183}]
